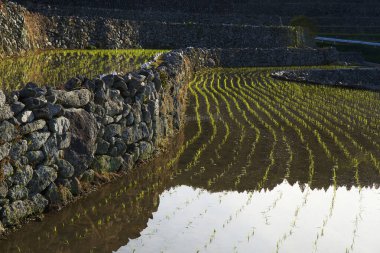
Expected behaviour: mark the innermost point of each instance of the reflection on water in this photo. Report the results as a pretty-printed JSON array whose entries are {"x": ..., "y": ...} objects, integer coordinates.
[
  {"x": 58, "y": 66},
  {"x": 261, "y": 166},
  {"x": 195, "y": 220}
]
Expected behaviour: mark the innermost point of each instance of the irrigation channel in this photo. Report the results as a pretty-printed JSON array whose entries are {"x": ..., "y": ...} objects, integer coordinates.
[{"x": 262, "y": 166}]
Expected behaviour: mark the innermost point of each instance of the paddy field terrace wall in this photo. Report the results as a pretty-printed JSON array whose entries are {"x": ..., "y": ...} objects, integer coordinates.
[{"x": 24, "y": 31}]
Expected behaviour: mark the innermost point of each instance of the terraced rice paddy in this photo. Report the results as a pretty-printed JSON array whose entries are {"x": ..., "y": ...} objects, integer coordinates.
[
  {"x": 57, "y": 66},
  {"x": 262, "y": 166}
]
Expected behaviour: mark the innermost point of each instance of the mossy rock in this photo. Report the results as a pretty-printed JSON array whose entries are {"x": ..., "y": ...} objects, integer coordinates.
[{"x": 106, "y": 163}]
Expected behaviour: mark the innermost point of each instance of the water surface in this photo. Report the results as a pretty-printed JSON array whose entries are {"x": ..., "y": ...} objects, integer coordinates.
[{"x": 262, "y": 165}]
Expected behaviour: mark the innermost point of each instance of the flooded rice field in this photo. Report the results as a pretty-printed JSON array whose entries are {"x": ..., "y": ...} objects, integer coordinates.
[
  {"x": 262, "y": 165},
  {"x": 56, "y": 67}
]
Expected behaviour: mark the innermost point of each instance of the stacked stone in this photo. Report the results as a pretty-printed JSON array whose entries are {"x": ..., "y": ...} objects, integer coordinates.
[
  {"x": 54, "y": 140},
  {"x": 51, "y": 140}
]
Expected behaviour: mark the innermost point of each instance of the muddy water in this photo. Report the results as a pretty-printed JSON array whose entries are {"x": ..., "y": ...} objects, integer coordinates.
[{"x": 261, "y": 166}]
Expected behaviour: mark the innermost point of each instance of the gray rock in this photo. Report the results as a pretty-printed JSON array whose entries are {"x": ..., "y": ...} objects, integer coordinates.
[
  {"x": 112, "y": 130},
  {"x": 3, "y": 189},
  {"x": 39, "y": 203},
  {"x": 25, "y": 117},
  {"x": 3, "y": 202},
  {"x": 59, "y": 125},
  {"x": 122, "y": 87},
  {"x": 130, "y": 119},
  {"x": 84, "y": 131},
  {"x": 42, "y": 177},
  {"x": 8, "y": 132},
  {"x": 18, "y": 192},
  {"x": 35, "y": 157},
  {"x": 7, "y": 170},
  {"x": 32, "y": 127},
  {"x": 58, "y": 197},
  {"x": 136, "y": 153},
  {"x": 5, "y": 112},
  {"x": 65, "y": 169},
  {"x": 50, "y": 148},
  {"x": 88, "y": 176},
  {"x": 48, "y": 112},
  {"x": 100, "y": 97},
  {"x": 73, "y": 84},
  {"x": 144, "y": 131},
  {"x": 76, "y": 98},
  {"x": 2, "y": 98},
  {"x": 128, "y": 135},
  {"x": 17, "y": 107},
  {"x": 36, "y": 140},
  {"x": 34, "y": 103},
  {"x": 102, "y": 147},
  {"x": 76, "y": 187},
  {"x": 154, "y": 107},
  {"x": 32, "y": 90},
  {"x": 119, "y": 148},
  {"x": 115, "y": 104},
  {"x": 146, "y": 116},
  {"x": 157, "y": 83},
  {"x": 146, "y": 150},
  {"x": 12, "y": 97},
  {"x": 4, "y": 150},
  {"x": 18, "y": 149},
  {"x": 2, "y": 229},
  {"x": 64, "y": 140},
  {"x": 15, "y": 212},
  {"x": 22, "y": 176},
  {"x": 128, "y": 161},
  {"x": 106, "y": 163}
]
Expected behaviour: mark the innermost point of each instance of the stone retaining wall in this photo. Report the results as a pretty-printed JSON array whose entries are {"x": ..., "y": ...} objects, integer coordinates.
[
  {"x": 53, "y": 141},
  {"x": 358, "y": 78},
  {"x": 26, "y": 31}
]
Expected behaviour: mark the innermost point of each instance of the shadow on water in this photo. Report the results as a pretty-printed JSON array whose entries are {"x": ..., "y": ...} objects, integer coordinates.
[{"x": 275, "y": 167}]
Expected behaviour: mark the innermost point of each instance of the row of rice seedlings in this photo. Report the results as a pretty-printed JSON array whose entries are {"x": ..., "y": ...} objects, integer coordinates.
[
  {"x": 253, "y": 148},
  {"x": 268, "y": 126},
  {"x": 313, "y": 103},
  {"x": 326, "y": 125},
  {"x": 358, "y": 216},
  {"x": 287, "y": 108},
  {"x": 293, "y": 224},
  {"x": 252, "y": 126},
  {"x": 267, "y": 102},
  {"x": 220, "y": 145},
  {"x": 199, "y": 152},
  {"x": 237, "y": 148},
  {"x": 259, "y": 96},
  {"x": 345, "y": 133},
  {"x": 328, "y": 216},
  {"x": 271, "y": 207}
]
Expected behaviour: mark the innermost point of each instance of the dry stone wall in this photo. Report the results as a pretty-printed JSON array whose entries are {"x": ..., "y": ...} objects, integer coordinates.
[
  {"x": 54, "y": 140},
  {"x": 26, "y": 31}
]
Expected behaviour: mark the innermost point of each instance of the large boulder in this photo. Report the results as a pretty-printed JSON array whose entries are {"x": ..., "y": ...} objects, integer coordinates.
[{"x": 83, "y": 130}]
